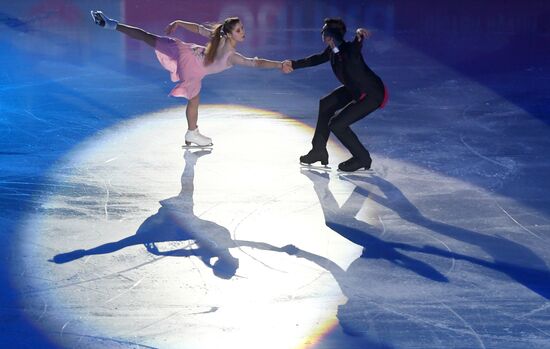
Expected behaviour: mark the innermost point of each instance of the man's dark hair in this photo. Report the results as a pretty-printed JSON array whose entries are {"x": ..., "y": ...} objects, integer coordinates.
[{"x": 336, "y": 24}]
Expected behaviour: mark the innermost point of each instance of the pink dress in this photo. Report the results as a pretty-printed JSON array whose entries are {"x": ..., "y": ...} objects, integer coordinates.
[{"x": 185, "y": 62}]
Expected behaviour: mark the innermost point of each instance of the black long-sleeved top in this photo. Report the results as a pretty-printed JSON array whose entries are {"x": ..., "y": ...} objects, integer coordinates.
[{"x": 350, "y": 68}]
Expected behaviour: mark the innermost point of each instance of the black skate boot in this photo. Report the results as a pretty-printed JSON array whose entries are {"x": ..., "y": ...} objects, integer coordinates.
[
  {"x": 315, "y": 155},
  {"x": 354, "y": 164}
]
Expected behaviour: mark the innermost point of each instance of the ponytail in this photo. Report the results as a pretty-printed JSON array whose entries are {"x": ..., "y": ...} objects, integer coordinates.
[
  {"x": 218, "y": 31},
  {"x": 213, "y": 44}
]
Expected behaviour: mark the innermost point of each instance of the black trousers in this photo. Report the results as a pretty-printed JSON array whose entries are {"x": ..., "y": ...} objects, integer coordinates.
[{"x": 339, "y": 123}]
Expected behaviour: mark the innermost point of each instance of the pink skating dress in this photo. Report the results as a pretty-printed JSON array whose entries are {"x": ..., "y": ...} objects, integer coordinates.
[{"x": 185, "y": 62}]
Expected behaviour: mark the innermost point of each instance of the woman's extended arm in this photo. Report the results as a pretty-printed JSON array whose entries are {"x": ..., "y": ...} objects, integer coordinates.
[
  {"x": 192, "y": 27},
  {"x": 255, "y": 62}
]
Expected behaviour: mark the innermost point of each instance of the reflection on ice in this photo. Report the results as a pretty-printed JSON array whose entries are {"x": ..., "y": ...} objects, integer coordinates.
[
  {"x": 240, "y": 244},
  {"x": 212, "y": 257},
  {"x": 175, "y": 221}
]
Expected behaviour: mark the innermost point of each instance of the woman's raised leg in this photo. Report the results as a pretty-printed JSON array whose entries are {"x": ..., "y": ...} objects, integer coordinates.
[
  {"x": 138, "y": 34},
  {"x": 133, "y": 32}
]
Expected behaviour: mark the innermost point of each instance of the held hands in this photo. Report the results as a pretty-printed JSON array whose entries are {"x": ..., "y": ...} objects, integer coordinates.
[
  {"x": 290, "y": 249},
  {"x": 287, "y": 66},
  {"x": 171, "y": 28},
  {"x": 362, "y": 34}
]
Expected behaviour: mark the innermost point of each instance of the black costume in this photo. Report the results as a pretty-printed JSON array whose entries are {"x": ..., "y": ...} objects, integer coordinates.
[{"x": 362, "y": 93}]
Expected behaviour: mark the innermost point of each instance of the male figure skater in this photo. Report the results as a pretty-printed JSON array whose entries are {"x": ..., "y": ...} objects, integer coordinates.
[{"x": 361, "y": 93}]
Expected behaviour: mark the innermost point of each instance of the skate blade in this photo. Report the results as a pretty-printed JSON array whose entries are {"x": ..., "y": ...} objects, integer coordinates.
[
  {"x": 196, "y": 146},
  {"x": 370, "y": 171},
  {"x": 315, "y": 167}
]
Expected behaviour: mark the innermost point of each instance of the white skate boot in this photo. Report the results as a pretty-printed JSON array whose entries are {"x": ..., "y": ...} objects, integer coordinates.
[
  {"x": 195, "y": 137},
  {"x": 103, "y": 21}
]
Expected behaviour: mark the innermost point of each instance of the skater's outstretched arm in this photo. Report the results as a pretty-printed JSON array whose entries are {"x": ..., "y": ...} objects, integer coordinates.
[
  {"x": 238, "y": 59},
  {"x": 190, "y": 26},
  {"x": 310, "y": 61}
]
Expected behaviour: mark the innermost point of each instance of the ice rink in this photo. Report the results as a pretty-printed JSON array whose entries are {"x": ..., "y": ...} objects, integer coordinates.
[{"x": 113, "y": 236}]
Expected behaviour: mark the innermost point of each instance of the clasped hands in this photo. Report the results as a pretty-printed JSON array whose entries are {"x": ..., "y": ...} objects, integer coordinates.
[{"x": 286, "y": 66}]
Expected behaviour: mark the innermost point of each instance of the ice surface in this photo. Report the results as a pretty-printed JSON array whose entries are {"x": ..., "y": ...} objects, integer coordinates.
[{"x": 113, "y": 236}]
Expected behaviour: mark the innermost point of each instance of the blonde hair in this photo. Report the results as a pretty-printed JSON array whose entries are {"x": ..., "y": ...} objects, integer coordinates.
[{"x": 218, "y": 31}]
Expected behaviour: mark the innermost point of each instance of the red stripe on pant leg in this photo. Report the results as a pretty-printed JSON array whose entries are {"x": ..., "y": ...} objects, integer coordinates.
[{"x": 386, "y": 97}]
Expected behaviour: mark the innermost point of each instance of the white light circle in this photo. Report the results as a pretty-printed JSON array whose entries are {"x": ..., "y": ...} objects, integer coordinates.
[{"x": 125, "y": 186}]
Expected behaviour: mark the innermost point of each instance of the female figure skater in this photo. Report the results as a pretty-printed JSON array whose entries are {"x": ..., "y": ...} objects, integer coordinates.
[
  {"x": 189, "y": 63},
  {"x": 361, "y": 93}
]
